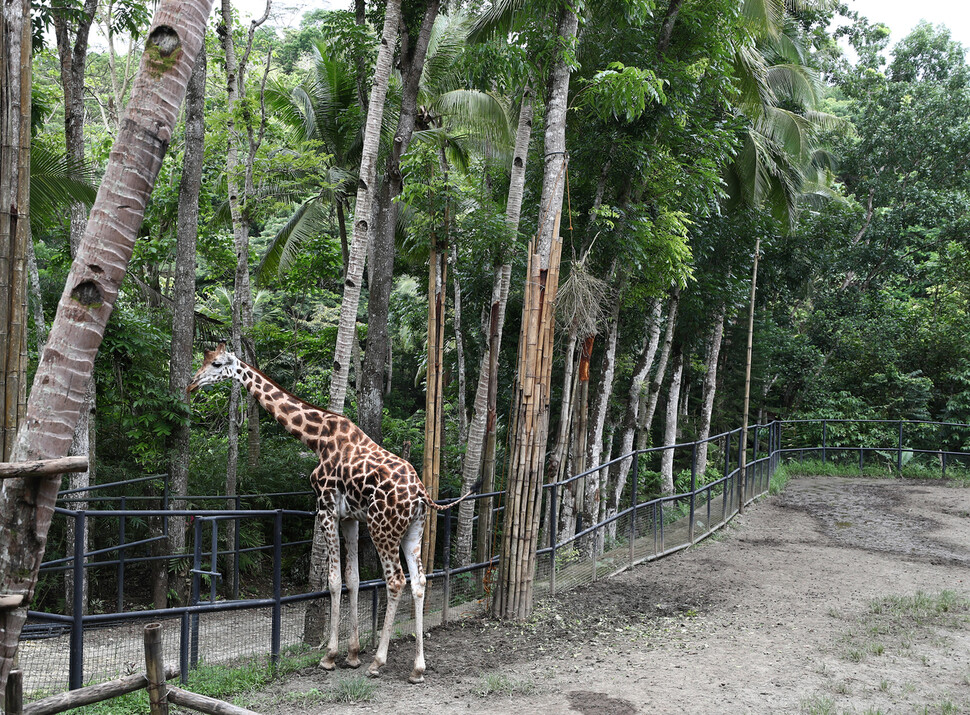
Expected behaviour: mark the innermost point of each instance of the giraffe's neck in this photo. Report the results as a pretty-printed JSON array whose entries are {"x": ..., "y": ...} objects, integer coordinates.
[{"x": 311, "y": 425}]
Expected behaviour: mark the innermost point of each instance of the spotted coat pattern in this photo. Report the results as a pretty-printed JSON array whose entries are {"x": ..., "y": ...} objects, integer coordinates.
[{"x": 355, "y": 481}]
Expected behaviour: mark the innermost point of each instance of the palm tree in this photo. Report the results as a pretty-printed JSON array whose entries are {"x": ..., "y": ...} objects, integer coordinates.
[{"x": 323, "y": 108}]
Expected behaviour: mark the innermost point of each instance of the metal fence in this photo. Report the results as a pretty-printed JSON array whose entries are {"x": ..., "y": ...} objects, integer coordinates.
[{"x": 65, "y": 651}]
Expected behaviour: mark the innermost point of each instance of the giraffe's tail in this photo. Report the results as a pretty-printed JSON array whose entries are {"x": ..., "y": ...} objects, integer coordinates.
[{"x": 477, "y": 487}]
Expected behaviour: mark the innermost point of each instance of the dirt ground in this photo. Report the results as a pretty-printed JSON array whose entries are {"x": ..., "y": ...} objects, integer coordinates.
[{"x": 840, "y": 595}]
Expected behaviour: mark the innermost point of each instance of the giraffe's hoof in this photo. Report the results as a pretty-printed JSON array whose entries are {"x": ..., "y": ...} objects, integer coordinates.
[
  {"x": 327, "y": 663},
  {"x": 416, "y": 678},
  {"x": 373, "y": 672},
  {"x": 353, "y": 661}
]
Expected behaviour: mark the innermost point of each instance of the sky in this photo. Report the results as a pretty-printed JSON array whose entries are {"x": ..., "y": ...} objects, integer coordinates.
[{"x": 901, "y": 16}]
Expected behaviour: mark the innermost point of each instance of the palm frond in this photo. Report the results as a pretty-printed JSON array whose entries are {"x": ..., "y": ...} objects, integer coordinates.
[
  {"x": 500, "y": 19},
  {"x": 482, "y": 113},
  {"x": 57, "y": 181},
  {"x": 307, "y": 221}
]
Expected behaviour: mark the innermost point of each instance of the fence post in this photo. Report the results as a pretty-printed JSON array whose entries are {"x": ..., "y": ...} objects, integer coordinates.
[
  {"x": 825, "y": 433},
  {"x": 861, "y": 468},
  {"x": 76, "y": 677},
  {"x": 14, "y": 702},
  {"x": 446, "y": 606},
  {"x": 235, "y": 552},
  {"x": 693, "y": 491},
  {"x": 277, "y": 626},
  {"x": 121, "y": 557},
  {"x": 155, "y": 670},
  {"x": 899, "y": 451},
  {"x": 553, "y": 535},
  {"x": 214, "y": 564},
  {"x": 634, "y": 500},
  {"x": 196, "y": 589},
  {"x": 184, "y": 648}
]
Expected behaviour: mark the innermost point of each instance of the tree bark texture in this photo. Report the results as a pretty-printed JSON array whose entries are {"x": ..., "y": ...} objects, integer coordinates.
[
  {"x": 670, "y": 426},
  {"x": 523, "y": 493},
  {"x": 363, "y": 210},
  {"x": 595, "y": 482},
  {"x": 743, "y": 467},
  {"x": 710, "y": 388},
  {"x": 15, "y": 83},
  {"x": 370, "y": 407},
  {"x": 482, "y": 425},
  {"x": 183, "y": 295},
  {"x": 620, "y": 470},
  {"x": 653, "y": 394},
  {"x": 60, "y": 383}
]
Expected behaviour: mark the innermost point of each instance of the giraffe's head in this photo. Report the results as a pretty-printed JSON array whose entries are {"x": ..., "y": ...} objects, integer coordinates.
[{"x": 217, "y": 365}]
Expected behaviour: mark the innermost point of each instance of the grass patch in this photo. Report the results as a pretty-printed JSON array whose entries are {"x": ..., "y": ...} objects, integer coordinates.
[
  {"x": 818, "y": 705},
  {"x": 225, "y": 682},
  {"x": 896, "y": 623},
  {"x": 499, "y": 684}
]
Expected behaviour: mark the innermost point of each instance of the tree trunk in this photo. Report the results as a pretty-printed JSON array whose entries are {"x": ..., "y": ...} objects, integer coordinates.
[
  {"x": 370, "y": 407},
  {"x": 459, "y": 352},
  {"x": 480, "y": 450},
  {"x": 60, "y": 383},
  {"x": 653, "y": 394},
  {"x": 183, "y": 310},
  {"x": 595, "y": 482},
  {"x": 15, "y": 84},
  {"x": 363, "y": 211},
  {"x": 573, "y": 496},
  {"x": 558, "y": 460},
  {"x": 40, "y": 325},
  {"x": 710, "y": 388},
  {"x": 523, "y": 492},
  {"x": 670, "y": 428},
  {"x": 747, "y": 378},
  {"x": 619, "y": 471}
]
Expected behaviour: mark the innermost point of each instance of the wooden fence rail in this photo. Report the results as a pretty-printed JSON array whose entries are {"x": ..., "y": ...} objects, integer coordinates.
[
  {"x": 43, "y": 467},
  {"x": 160, "y": 694}
]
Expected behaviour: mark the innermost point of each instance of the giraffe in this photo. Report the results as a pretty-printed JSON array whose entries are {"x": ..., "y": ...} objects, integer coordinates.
[{"x": 356, "y": 481}]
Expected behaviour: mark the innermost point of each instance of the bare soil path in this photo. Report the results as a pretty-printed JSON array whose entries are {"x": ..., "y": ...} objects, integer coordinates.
[{"x": 840, "y": 595}]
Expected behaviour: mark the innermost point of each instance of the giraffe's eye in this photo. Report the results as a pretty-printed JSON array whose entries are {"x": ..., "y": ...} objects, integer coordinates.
[{"x": 217, "y": 364}]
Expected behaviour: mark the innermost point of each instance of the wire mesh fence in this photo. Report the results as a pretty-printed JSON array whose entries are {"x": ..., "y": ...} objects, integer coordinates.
[{"x": 229, "y": 622}]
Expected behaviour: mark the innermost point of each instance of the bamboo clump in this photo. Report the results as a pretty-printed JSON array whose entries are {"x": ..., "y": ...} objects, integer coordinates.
[{"x": 524, "y": 492}]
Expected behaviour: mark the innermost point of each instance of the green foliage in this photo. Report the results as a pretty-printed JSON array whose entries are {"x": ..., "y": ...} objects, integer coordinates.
[{"x": 621, "y": 92}]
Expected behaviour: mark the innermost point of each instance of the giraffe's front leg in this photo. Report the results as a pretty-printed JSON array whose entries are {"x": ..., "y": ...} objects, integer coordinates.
[
  {"x": 328, "y": 525},
  {"x": 350, "y": 529}
]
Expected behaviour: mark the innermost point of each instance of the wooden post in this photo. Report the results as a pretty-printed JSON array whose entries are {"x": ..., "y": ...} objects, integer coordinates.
[
  {"x": 90, "y": 694},
  {"x": 14, "y": 702},
  {"x": 155, "y": 670},
  {"x": 43, "y": 467},
  {"x": 203, "y": 703}
]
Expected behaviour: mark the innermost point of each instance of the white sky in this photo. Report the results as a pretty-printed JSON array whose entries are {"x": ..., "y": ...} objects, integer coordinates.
[{"x": 901, "y": 16}]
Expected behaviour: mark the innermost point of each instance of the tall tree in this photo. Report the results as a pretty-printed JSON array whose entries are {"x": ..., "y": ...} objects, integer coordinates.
[
  {"x": 57, "y": 397},
  {"x": 364, "y": 207},
  {"x": 183, "y": 310},
  {"x": 411, "y": 62}
]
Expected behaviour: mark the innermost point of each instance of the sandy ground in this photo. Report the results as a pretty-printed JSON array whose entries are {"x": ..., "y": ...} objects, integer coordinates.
[{"x": 840, "y": 595}]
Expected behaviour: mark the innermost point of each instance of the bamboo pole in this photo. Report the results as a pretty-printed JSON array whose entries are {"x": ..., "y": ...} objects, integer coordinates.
[
  {"x": 43, "y": 467},
  {"x": 155, "y": 670},
  {"x": 743, "y": 457}
]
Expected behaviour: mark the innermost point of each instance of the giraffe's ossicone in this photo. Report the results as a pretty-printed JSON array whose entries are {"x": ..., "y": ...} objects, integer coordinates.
[{"x": 356, "y": 480}]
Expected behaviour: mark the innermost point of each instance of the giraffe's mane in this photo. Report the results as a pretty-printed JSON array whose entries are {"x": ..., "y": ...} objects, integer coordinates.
[{"x": 282, "y": 389}]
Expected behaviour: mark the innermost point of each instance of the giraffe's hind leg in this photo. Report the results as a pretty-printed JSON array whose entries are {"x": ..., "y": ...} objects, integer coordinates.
[
  {"x": 350, "y": 529},
  {"x": 387, "y": 549},
  {"x": 411, "y": 546},
  {"x": 328, "y": 523}
]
